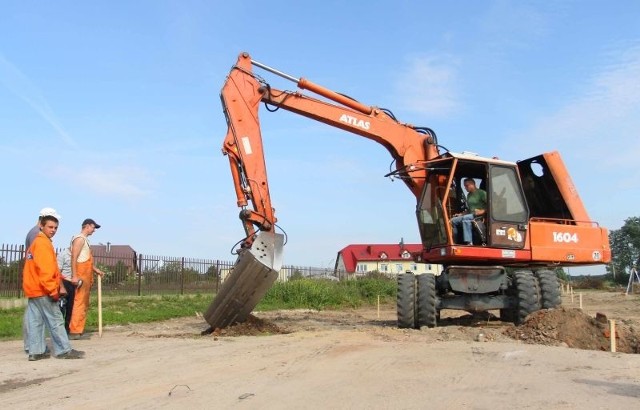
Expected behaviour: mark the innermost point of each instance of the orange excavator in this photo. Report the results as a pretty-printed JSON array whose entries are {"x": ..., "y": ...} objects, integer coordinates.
[{"x": 532, "y": 222}]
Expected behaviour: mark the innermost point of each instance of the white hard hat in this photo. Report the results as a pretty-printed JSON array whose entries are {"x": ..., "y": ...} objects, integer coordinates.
[{"x": 50, "y": 212}]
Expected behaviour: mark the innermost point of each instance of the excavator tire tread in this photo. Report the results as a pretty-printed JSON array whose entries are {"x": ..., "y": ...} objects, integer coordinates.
[
  {"x": 526, "y": 291},
  {"x": 427, "y": 302},
  {"x": 406, "y": 301},
  {"x": 549, "y": 289}
]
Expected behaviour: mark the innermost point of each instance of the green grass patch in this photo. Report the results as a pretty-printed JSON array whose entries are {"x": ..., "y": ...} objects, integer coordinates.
[
  {"x": 11, "y": 323},
  {"x": 298, "y": 294},
  {"x": 323, "y": 294}
]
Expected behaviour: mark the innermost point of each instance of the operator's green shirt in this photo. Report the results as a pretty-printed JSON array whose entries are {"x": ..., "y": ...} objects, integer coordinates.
[{"x": 477, "y": 200}]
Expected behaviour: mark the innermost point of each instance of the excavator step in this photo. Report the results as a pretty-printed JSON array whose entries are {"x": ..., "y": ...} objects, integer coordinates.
[{"x": 255, "y": 271}]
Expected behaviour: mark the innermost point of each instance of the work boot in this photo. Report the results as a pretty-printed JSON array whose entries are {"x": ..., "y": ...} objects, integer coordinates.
[
  {"x": 71, "y": 354},
  {"x": 35, "y": 357}
]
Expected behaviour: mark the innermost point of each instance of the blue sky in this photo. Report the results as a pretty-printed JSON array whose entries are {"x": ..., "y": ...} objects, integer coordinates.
[{"x": 111, "y": 110}]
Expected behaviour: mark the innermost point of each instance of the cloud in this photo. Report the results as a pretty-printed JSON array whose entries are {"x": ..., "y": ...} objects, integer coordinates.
[
  {"x": 19, "y": 84},
  {"x": 124, "y": 182},
  {"x": 597, "y": 132},
  {"x": 427, "y": 86},
  {"x": 603, "y": 122}
]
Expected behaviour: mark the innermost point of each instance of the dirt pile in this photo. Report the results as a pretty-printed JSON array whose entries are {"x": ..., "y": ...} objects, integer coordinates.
[
  {"x": 253, "y": 326},
  {"x": 576, "y": 329}
]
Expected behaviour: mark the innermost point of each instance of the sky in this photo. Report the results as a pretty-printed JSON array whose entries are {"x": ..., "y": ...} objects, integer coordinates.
[{"x": 111, "y": 110}]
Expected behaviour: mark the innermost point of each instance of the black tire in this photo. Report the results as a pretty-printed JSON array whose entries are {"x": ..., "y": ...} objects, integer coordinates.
[
  {"x": 427, "y": 313},
  {"x": 406, "y": 300},
  {"x": 526, "y": 292},
  {"x": 549, "y": 285}
]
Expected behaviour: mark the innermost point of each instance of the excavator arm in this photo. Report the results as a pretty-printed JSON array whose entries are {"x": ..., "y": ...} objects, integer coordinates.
[
  {"x": 259, "y": 257},
  {"x": 241, "y": 96}
]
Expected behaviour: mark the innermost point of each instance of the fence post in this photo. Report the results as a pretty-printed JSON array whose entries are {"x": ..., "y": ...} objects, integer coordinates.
[
  {"x": 20, "y": 269},
  {"x": 140, "y": 275},
  {"x": 182, "y": 276},
  {"x": 217, "y": 274}
]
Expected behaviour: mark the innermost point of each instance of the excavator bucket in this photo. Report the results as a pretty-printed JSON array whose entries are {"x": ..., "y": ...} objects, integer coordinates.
[{"x": 255, "y": 270}]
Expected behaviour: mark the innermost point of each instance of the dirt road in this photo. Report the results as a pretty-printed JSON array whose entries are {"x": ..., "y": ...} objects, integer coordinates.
[{"x": 353, "y": 360}]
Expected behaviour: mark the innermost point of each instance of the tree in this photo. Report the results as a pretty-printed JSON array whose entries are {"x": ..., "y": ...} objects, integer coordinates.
[
  {"x": 296, "y": 275},
  {"x": 625, "y": 249},
  {"x": 212, "y": 273},
  {"x": 116, "y": 273},
  {"x": 10, "y": 273},
  {"x": 562, "y": 275}
]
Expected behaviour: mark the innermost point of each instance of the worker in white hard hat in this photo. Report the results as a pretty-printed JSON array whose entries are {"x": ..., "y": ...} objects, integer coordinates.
[{"x": 36, "y": 229}]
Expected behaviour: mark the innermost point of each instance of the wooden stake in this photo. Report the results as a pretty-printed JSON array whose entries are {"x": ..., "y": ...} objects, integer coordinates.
[
  {"x": 378, "y": 306},
  {"x": 580, "y": 295},
  {"x": 612, "y": 334},
  {"x": 572, "y": 298},
  {"x": 99, "y": 305}
]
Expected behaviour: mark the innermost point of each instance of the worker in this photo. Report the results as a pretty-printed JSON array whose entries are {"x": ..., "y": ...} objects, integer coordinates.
[
  {"x": 82, "y": 268},
  {"x": 31, "y": 235},
  {"x": 41, "y": 283},
  {"x": 476, "y": 206},
  {"x": 66, "y": 303}
]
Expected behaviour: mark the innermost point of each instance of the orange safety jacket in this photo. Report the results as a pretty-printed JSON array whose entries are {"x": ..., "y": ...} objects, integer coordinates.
[{"x": 41, "y": 275}]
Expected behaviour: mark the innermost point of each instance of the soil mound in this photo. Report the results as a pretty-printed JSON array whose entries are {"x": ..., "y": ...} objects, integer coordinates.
[
  {"x": 253, "y": 326},
  {"x": 576, "y": 329}
]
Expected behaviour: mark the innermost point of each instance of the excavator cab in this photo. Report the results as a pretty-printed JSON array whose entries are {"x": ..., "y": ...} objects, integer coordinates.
[{"x": 502, "y": 226}]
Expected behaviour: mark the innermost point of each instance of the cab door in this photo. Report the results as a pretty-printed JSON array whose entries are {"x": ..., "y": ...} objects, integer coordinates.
[{"x": 508, "y": 212}]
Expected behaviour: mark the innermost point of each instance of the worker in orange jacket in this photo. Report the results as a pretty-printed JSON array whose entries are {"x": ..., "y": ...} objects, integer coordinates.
[
  {"x": 82, "y": 268},
  {"x": 42, "y": 285}
]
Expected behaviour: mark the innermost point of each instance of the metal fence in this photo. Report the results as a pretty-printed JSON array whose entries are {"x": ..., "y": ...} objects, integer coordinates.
[{"x": 142, "y": 274}]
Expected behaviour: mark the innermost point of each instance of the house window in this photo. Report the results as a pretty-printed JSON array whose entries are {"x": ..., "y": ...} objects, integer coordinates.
[
  {"x": 399, "y": 267},
  {"x": 414, "y": 267},
  {"x": 361, "y": 268},
  {"x": 384, "y": 268}
]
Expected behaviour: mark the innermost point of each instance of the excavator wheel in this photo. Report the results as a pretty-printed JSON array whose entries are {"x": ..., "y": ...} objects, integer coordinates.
[
  {"x": 526, "y": 293},
  {"x": 406, "y": 300},
  {"x": 549, "y": 289},
  {"x": 427, "y": 312}
]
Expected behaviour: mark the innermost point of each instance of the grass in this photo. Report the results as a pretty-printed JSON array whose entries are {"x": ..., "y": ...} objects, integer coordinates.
[
  {"x": 298, "y": 294},
  {"x": 321, "y": 294}
]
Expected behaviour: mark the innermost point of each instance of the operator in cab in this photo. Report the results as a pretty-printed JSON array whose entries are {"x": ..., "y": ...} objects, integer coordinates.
[{"x": 476, "y": 206}]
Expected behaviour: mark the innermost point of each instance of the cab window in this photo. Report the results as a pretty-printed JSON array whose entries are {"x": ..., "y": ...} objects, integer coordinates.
[{"x": 507, "y": 202}]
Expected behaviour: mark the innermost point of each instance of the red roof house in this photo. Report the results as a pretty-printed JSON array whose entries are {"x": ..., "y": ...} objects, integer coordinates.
[
  {"x": 111, "y": 254},
  {"x": 384, "y": 258}
]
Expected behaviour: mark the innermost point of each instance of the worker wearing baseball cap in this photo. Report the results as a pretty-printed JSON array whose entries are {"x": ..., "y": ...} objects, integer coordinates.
[{"x": 82, "y": 268}]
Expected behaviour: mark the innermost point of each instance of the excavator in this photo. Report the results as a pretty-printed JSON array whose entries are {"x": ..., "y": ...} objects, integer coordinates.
[{"x": 534, "y": 221}]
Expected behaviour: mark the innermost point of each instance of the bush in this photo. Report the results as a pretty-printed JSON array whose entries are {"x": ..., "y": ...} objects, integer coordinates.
[{"x": 589, "y": 282}]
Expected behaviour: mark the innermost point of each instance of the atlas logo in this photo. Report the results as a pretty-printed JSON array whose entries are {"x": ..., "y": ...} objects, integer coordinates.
[{"x": 347, "y": 119}]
